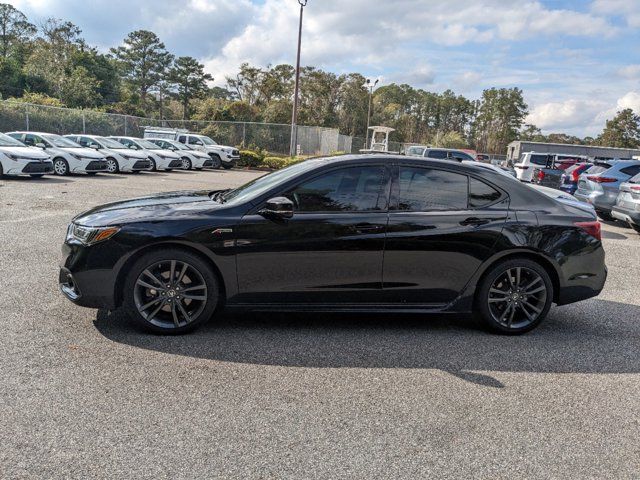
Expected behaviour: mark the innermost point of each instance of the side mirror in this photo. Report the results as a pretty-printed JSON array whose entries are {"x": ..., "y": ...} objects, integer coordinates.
[
  {"x": 279, "y": 207},
  {"x": 94, "y": 146},
  {"x": 173, "y": 149},
  {"x": 133, "y": 147},
  {"x": 41, "y": 145}
]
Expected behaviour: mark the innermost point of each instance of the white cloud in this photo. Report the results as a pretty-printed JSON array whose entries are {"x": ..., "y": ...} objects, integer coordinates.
[
  {"x": 630, "y": 71},
  {"x": 567, "y": 114},
  {"x": 628, "y": 9}
]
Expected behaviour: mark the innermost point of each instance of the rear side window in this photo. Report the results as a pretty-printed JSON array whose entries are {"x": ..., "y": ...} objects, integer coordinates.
[
  {"x": 436, "y": 154},
  {"x": 539, "y": 159},
  {"x": 481, "y": 194},
  {"x": 424, "y": 190},
  {"x": 182, "y": 139},
  {"x": 632, "y": 170}
]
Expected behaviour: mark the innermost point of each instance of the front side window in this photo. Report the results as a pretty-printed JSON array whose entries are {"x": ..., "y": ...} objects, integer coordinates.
[
  {"x": 436, "y": 154},
  {"x": 182, "y": 139},
  {"x": 353, "y": 189},
  {"x": 425, "y": 189},
  {"x": 194, "y": 141}
]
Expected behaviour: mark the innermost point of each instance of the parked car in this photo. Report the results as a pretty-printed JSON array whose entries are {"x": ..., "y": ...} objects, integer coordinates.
[
  {"x": 550, "y": 175},
  {"x": 447, "y": 154},
  {"x": 317, "y": 235},
  {"x": 416, "y": 150},
  {"x": 190, "y": 158},
  {"x": 221, "y": 155},
  {"x": 563, "y": 197},
  {"x": 627, "y": 207},
  {"x": 601, "y": 189},
  {"x": 119, "y": 158},
  {"x": 569, "y": 178},
  {"x": 490, "y": 166},
  {"x": 529, "y": 161},
  {"x": 67, "y": 156},
  {"x": 16, "y": 158},
  {"x": 160, "y": 159}
]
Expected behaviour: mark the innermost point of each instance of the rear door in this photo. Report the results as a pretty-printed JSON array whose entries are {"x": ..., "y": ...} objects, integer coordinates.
[{"x": 442, "y": 226}]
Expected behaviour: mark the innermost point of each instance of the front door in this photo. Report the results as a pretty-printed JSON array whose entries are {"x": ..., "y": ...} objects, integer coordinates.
[
  {"x": 330, "y": 251},
  {"x": 442, "y": 226}
]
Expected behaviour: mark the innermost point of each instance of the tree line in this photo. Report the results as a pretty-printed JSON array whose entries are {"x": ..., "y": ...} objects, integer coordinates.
[{"x": 52, "y": 64}]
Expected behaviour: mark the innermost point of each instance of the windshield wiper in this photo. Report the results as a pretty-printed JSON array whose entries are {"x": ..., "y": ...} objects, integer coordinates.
[{"x": 218, "y": 196}]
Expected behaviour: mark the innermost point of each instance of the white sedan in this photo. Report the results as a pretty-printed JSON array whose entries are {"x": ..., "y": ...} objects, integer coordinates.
[
  {"x": 67, "y": 156},
  {"x": 191, "y": 158},
  {"x": 119, "y": 157},
  {"x": 18, "y": 159},
  {"x": 160, "y": 159}
]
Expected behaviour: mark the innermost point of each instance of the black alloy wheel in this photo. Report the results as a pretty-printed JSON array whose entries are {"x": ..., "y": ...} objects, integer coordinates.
[
  {"x": 171, "y": 291},
  {"x": 515, "y": 296}
]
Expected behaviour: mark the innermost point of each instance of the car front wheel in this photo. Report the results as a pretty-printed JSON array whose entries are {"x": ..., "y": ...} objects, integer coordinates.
[
  {"x": 186, "y": 164},
  {"x": 217, "y": 162},
  {"x": 514, "y": 296},
  {"x": 112, "y": 165},
  {"x": 171, "y": 291}
]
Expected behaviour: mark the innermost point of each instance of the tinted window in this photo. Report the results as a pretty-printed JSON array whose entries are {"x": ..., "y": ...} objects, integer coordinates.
[
  {"x": 596, "y": 169},
  {"x": 348, "y": 189},
  {"x": 539, "y": 159},
  {"x": 194, "y": 141},
  {"x": 462, "y": 155},
  {"x": 415, "y": 151},
  {"x": 423, "y": 190},
  {"x": 436, "y": 154},
  {"x": 632, "y": 170},
  {"x": 481, "y": 194},
  {"x": 182, "y": 139},
  {"x": 635, "y": 179}
]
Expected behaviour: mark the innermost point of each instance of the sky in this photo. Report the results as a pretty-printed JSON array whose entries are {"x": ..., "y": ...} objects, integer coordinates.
[{"x": 577, "y": 61}]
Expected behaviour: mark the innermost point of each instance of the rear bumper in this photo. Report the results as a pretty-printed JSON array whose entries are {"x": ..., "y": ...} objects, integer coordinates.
[
  {"x": 601, "y": 201},
  {"x": 626, "y": 214}
]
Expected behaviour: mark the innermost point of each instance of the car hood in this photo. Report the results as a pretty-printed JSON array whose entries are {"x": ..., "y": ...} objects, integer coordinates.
[
  {"x": 84, "y": 152},
  {"x": 164, "y": 153},
  {"x": 126, "y": 151},
  {"x": 150, "y": 208},
  {"x": 26, "y": 152}
]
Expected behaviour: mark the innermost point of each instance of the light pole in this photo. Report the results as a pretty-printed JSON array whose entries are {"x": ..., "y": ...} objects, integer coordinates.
[
  {"x": 294, "y": 115},
  {"x": 370, "y": 87}
]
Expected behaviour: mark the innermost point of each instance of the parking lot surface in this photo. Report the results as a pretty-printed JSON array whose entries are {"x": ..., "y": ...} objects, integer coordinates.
[{"x": 84, "y": 394}]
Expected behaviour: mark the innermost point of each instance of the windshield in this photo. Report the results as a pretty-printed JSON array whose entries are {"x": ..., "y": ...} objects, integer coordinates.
[
  {"x": 58, "y": 141},
  {"x": 110, "y": 143},
  {"x": 207, "y": 141},
  {"x": 7, "y": 141},
  {"x": 260, "y": 185},
  {"x": 146, "y": 144}
]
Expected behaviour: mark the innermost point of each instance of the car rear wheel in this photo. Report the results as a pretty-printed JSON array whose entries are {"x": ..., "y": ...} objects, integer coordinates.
[
  {"x": 60, "y": 167},
  {"x": 514, "y": 296},
  {"x": 112, "y": 165},
  {"x": 171, "y": 291}
]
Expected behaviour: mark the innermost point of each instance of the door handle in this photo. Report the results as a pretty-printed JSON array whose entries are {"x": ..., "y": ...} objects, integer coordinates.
[
  {"x": 366, "y": 227},
  {"x": 475, "y": 221}
]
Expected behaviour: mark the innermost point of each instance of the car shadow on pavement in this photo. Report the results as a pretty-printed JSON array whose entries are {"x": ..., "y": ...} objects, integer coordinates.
[
  {"x": 45, "y": 179},
  {"x": 596, "y": 336}
]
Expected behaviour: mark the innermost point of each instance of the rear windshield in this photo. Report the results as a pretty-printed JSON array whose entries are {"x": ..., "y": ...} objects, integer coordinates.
[
  {"x": 539, "y": 159},
  {"x": 597, "y": 169},
  {"x": 575, "y": 167},
  {"x": 635, "y": 179}
]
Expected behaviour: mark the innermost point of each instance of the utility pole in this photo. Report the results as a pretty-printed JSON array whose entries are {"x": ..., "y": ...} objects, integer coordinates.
[
  {"x": 370, "y": 87},
  {"x": 294, "y": 116}
]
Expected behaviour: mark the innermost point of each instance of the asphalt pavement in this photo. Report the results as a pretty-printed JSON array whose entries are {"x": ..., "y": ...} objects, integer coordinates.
[{"x": 83, "y": 394}]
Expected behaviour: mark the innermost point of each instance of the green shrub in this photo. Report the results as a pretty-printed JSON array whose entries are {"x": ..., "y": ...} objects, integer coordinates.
[
  {"x": 275, "y": 162},
  {"x": 249, "y": 158}
]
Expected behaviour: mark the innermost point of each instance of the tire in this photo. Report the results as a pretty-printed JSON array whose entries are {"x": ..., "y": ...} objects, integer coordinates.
[
  {"x": 168, "y": 169},
  {"x": 606, "y": 216},
  {"x": 36, "y": 175},
  {"x": 164, "y": 315},
  {"x": 1, "y": 171},
  {"x": 507, "y": 313},
  {"x": 186, "y": 163},
  {"x": 91, "y": 174},
  {"x": 227, "y": 166},
  {"x": 198, "y": 168},
  {"x": 112, "y": 165},
  {"x": 60, "y": 167},
  {"x": 154, "y": 167},
  {"x": 632, "y": 225},
  {"x": 217, "y": 162}
]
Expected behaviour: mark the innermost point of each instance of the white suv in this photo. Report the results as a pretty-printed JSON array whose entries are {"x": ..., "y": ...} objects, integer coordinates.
[
  {"x": 119, "y": 157},
  {"x": 18, "y": 159},
  {"x": 221, "y": 155},
  {"x": 160, "y": 159},
  {"x": 67, "y": 156},
  {"x": 191, "y": 158}
]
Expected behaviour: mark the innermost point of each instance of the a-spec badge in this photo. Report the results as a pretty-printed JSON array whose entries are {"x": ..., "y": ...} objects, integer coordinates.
[{"x": 221, "y": 231}]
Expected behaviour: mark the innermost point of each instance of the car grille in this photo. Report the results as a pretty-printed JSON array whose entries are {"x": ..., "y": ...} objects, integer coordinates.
[
  {"x": 142, "y": 165},
  {"x": 208, "y": 163},
  {"x": 96, "y": 166},
  {"x": 37, "y": 167},
  {"x": 175, "y": 163}
]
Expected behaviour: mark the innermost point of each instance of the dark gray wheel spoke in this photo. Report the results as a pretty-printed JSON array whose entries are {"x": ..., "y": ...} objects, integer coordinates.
[
  {"x": 148, "y": 285},
  {"x": 152, "y": 315},
  {"x": 182, "y": 272},
  {"x": 529, "y": 316},
  {"x": 174, "y": 314},
  {"x": 532, "y": 307},
  {"x": 172, "y": 272},
  {"x": 513, "y": 311},
  {"x": 535, "y": 290},
  {"x": 518, "y": 271},
  {"x": 194, "y": 297},
  {"x": 533, "y": 282},
  {"x": 154, "y": 278},
  {"x": 190, "y": 289},
  {"x": 152, "y": 302},
  {"x": 186, "y": 315},
  {"x": 517, "y": 297}
]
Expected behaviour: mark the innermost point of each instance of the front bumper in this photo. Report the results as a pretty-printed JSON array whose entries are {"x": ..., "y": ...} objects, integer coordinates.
[
  {"x": 230, "y": 159},
  {"x": 141, "y": 165},
  {"x": 37, "y": 168},
  {"x": 96, "y": 166}
]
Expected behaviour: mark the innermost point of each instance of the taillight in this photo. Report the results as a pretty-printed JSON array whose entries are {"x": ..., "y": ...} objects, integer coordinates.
[
  {"x": 540, "y": 175},
  {"x": 596, "y": 179},
  {"x": 592, "y": 228},
  {"x": 635, "y": 188},
  {"x": 575, "y": 175}
]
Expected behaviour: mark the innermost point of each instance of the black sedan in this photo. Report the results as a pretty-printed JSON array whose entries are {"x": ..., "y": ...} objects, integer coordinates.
[{"x": 342, "y": 234}]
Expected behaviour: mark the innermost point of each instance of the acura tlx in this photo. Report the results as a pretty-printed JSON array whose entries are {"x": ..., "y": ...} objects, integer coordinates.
[{"x": 355, "y": 233}]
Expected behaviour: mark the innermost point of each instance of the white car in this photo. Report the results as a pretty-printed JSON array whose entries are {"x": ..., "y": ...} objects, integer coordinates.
[
  {"x": 221, "y": 155},
  {"x": 160, "y": 159},
  {"x": 191, "y": 158},
  {"x": 67, "y": 156},
  {"x": 18, "y": 159},
  {"x": 119, "y": 157}
]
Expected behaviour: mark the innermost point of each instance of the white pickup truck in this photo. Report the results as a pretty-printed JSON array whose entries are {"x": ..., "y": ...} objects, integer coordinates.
[{"x": 222, "y": 156}]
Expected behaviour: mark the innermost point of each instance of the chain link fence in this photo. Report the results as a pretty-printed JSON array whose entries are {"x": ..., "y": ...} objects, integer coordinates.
[{"x": 273, "y": 137}]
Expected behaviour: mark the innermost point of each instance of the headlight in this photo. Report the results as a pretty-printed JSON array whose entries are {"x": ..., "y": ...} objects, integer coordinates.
[
  {"x": 75, "y": 155},
  {"x": 90, "y": 235}
]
